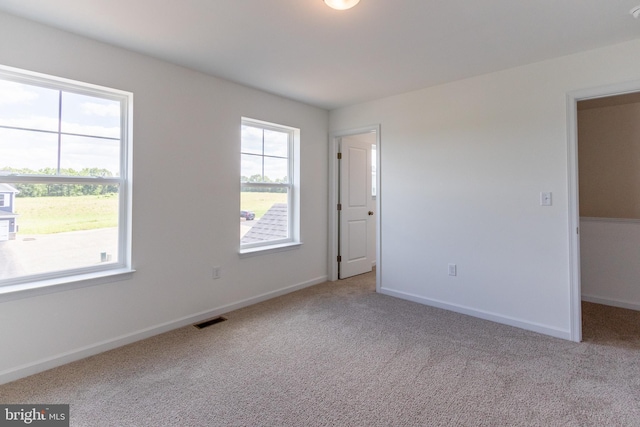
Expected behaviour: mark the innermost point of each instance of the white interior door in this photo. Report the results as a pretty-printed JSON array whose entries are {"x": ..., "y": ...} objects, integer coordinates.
[{"x": 356, "y": 213}]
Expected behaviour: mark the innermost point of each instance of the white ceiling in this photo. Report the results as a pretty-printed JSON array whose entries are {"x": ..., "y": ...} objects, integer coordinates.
[{"x": 304, "y": 50}]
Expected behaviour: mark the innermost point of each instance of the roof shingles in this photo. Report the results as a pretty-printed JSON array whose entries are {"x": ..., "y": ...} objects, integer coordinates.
[{"x": 272, "y": 226}]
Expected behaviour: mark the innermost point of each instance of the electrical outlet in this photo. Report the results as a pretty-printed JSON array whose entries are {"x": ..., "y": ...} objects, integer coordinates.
[
  {"x": 453, "y": 270},
  {"x": 216, "y": 273}
]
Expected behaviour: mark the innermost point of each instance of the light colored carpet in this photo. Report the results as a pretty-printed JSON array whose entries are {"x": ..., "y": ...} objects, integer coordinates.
[{"x": 338, "y": 354}]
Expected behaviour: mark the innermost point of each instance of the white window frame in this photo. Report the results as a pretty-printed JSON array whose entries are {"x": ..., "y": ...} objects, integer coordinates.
[
  {"x": 293, "y": 191},
  {"x": 3, "y": 199},
  {"x": 37, "y": 284}
]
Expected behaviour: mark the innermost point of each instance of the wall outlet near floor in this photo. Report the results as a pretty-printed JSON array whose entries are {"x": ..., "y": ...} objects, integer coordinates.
[
  {"x": 453, "y": 270},
  {"x": 217, "y": 273}
]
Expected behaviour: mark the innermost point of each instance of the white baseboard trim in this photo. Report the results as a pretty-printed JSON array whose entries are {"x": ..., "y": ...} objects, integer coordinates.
[
  {"x": 498, "y": 318},
  {"x": 100, "y": 347},
  {"x": 611, "y": 302}
]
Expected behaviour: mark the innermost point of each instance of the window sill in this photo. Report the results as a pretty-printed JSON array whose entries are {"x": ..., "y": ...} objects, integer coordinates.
[
  {"x": 59, "y": 284},
  {"x": 264, "y": 250}
]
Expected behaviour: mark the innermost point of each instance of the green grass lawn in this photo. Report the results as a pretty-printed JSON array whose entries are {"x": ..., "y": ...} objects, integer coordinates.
[
  {"x": 259, "y": 203},
  {"x": 46, "y": 215}
]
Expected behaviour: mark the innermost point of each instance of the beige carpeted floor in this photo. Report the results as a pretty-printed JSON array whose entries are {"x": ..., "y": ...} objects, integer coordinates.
[{"x": 338, "y": 354}]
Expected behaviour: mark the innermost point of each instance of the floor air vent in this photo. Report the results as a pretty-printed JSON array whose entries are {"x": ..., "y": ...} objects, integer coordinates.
[{"x": 210, "y": 322}]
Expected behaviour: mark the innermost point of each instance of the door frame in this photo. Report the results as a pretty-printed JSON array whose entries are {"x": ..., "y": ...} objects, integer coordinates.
[
  {"x": 575, "y": 288},
  {"x": 334, "y": 185}
]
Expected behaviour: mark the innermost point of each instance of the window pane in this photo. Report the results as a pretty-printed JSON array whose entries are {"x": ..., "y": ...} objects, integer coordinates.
[
  {"x": 374, "y": 190},
  {"x": 27, "y": 106},
  {"x": 269, "y": 210},
  {"x": 88, "y": 115},
  {"x": 28, "y": 152},
  {"x": 251, "y": 168},
  {"x": 251, "y": 140},
  {"x": 55, "y": 227},
  {"x": 276, "y": 169},
  {"x": 276, "y": 143},
  {"x": 94, "y": 156}
]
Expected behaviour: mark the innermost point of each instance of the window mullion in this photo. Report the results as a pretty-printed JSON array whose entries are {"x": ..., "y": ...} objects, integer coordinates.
[
  {"x": 262, "y": 155},
  {"x": 59, "y": 129}
]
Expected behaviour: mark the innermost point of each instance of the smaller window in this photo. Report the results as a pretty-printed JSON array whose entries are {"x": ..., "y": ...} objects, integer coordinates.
[
  {"x": 3, "y": 203},
  {"x": 374, "y": 190},
  {"x": 269, "y": 188}
]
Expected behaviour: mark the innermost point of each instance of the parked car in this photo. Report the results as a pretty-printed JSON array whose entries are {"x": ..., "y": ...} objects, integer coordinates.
[{"x": 247, "y": 215}]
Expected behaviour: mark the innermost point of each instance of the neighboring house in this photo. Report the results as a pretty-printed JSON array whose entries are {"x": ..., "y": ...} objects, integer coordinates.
[{"x": 8, "y": 227}]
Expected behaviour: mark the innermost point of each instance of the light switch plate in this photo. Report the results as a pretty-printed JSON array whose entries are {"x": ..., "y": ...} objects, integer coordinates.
[
  {"x": 453, "y": 270},
  {"x": 545, "y": 198}
]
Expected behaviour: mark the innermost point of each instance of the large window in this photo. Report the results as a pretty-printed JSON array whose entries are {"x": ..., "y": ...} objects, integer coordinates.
[
  {"x": 269, "y": 187},
  {"x": 64, "y": 159}
]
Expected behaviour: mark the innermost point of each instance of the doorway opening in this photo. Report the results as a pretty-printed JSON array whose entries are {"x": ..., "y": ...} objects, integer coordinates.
[
  {"x": 354, "y": 203},
  {"x": 604, "y": 157}
]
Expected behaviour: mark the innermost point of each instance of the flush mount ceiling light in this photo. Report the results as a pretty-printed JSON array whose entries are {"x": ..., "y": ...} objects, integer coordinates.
[
  {"x": 635, "y": 12},
  {"x": 341, "y": 4}
]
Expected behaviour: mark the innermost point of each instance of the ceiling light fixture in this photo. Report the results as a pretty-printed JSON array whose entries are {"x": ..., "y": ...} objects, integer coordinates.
[
  {"x": 635, "y": 12},
  {"x": 341, "y": 4}
]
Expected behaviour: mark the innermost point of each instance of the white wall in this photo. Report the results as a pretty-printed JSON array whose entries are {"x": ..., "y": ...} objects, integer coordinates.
[
  {"x": 186, "y": 143},
  {"x": 472, "y": 157},
  {"x": 609, "y": 254}
]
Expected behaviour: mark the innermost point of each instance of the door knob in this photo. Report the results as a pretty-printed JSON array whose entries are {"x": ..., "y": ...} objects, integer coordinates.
[{"x": 370, "y": 212}]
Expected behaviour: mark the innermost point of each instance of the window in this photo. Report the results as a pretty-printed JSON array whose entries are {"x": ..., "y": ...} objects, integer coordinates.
[
  {"x": 374, "y": 155},
  {"x": 3, "y": 203},
  {"x": 64, "y": 153},
  {"x": 269, "y": 186}
]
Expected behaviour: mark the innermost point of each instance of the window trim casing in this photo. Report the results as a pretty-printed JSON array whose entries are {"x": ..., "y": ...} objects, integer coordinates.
[
  {"x": 293, "y": 193},
  {"x": 43, "y": 283}
]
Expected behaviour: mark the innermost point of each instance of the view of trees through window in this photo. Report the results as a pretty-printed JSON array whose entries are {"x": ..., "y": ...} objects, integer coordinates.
[{"x": 55, "y": 190}]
